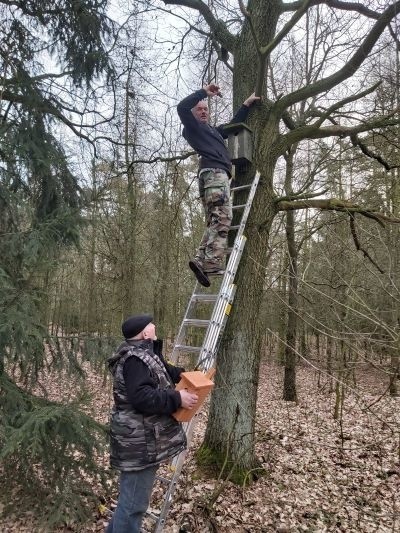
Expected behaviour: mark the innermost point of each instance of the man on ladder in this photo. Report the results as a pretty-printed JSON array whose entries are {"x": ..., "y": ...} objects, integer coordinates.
[{"x": 214, "y": 177}]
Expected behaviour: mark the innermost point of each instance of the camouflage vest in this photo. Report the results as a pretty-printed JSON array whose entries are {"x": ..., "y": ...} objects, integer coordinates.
[{"x": 139, "y": 440}]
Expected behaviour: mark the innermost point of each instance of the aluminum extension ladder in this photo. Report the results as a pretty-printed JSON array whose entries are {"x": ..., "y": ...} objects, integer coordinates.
[{"x": 215, "y": 326}]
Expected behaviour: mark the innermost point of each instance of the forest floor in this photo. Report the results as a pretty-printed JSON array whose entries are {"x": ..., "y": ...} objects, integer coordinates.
[{"x": 321, "y": 474}]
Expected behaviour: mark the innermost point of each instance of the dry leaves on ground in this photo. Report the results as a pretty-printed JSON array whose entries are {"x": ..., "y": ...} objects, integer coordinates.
[{"x": 321, "y": 474}]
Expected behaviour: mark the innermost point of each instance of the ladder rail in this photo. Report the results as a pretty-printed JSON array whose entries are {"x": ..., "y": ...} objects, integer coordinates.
[
  {"x": 230, "y": 267},
  {"x": 176, "y": 465},
  {"x": 182, "y": 328},
  {"x": 207, "y": 354},
  {"x": 208, "y": 350}
]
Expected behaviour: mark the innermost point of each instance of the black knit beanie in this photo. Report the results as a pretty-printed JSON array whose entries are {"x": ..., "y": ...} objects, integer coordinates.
[{"x": 133, "y": 325}]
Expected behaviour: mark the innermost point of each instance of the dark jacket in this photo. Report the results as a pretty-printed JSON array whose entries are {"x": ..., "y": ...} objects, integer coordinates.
[
  {"x": 143, "y": 437},
  {"x": 206, "y": 140}
]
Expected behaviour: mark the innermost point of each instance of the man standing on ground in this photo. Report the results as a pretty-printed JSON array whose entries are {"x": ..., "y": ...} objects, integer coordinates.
[
  {"x": 143, "y": 432},
  {"x": 214, "y": 176}
]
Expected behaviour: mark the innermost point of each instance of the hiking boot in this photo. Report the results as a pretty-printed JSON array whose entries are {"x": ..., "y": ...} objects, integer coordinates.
[{"x": 201, "y": 276}]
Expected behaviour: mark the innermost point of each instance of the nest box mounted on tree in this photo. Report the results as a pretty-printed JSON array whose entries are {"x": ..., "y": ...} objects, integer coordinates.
[{"x": 240, "y": 143}]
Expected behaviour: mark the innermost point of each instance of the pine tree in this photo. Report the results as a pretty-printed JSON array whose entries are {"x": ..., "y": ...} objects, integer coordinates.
[{"x": 51, "y": 54}]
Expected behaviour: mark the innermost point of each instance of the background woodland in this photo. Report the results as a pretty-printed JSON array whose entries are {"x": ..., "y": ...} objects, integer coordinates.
[{"x": 99, "y": 215}]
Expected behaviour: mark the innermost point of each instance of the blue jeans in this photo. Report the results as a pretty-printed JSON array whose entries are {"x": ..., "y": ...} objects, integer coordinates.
[{"x": 134, "y": 497}]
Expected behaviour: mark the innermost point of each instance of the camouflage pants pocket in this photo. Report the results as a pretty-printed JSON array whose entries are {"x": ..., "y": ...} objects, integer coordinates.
[
  {"x": 216, "y": 196},
  {"x": 215, "y": 187}
]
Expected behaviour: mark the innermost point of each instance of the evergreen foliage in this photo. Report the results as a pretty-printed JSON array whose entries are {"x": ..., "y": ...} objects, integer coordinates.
[
  {"x": 49, "y": 455},
  {"x": 51, "y": 54}
]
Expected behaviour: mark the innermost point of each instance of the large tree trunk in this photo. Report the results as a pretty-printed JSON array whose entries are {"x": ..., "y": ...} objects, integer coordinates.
[
  {"x": 289, "y": 383},
  {"x": 231, "y": 427},
  {"x": 395, "y": 351},
  {"x": 231, "y": 430}
]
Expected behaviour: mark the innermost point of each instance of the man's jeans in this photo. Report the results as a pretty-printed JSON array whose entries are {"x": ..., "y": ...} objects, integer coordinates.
[{"x": 134, "y": 496}]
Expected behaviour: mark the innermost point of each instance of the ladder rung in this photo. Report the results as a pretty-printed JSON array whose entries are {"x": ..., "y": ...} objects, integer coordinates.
[
  {"x": 163, "y": 479},
  {"x": 184, "y": 348},
  {"x": 241, "y": 187},
  {"x": 215, "y": 325},
  {"x": 202, "y": 297},
  {"x": 239, "y": 206},
  {"x": 196, "y": 322},
  {"x": 153, "y": 516}
]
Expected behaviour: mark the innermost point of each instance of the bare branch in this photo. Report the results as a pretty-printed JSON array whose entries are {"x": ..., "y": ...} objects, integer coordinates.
[
  {"x": 345, "y": 101},
  {"x": 304, "y": 196},
  {"x": 334, "y": 204},
  {"x": 195, "y": 28},
  {"x": 335, "y": 4},
  {"x": 313, "y": 132},
  {"x": 160, "y": 159},
  {"x": 349, "y": 68},
  {"x": 264, "y": 51},
  {"x": 303, "y": 6},
  {"x": 218, "y": 27},
  {"x": 358, "y": 245},
  {"x": 369, "y": 153}
]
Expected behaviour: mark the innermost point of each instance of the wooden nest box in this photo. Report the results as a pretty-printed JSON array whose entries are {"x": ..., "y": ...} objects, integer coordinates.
[
  {"x": 240, "y": 143},
  {"x": 197, "y": 383}
]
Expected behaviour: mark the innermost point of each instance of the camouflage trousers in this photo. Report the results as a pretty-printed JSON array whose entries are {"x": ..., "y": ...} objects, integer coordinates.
[{"x": 215, "y": 195}]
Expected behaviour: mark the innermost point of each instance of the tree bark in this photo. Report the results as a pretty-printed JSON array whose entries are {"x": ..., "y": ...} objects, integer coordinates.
[
  {"x": 289, "y": 382},
  {"x": 231, "y": 428}
]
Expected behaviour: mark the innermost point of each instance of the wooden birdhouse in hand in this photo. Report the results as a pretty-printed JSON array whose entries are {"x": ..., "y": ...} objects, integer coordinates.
[{"x": 198, "y": 383}]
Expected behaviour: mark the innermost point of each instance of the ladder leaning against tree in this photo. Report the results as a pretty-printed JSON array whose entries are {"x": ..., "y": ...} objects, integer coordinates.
[{"x": 206, "y": 353}]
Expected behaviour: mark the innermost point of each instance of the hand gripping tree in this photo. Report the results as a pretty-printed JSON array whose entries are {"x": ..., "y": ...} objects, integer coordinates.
[{"x": 310, "y": 111}]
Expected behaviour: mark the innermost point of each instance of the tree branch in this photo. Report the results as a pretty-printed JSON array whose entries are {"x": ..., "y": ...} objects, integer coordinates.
[
  {"x": 334, "y": 204},
  {"x": 313, "y": 132},
  {"x": 369, "y": 153},
  {"x": 40, "y": 77},
  {"x": 218, "y": 27},
  {"x": 335, "y": 4},
  {"x": 161, "y": 159},
  {"x": 46, "y": 107},
  {"x": 348, "y": 69},
  {"x": 266, "y": 50},
  {"x": 302, "y": 8},
  {"x": 357, "y": 242},
  {"x": 300, "y": 196},
  {"x": 345, "y": 101}
]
